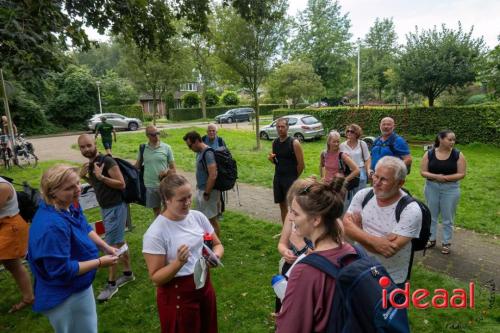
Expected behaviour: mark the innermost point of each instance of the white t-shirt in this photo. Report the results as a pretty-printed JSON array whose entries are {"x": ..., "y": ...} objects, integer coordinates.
[
  {"x": 164, "y": 237},
  {"x": 381, "y": 221},
  {"x": 355, "y": 153}
]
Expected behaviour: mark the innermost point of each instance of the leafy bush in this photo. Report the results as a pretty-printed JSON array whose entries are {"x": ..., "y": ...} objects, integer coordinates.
[
  {"x": 211, "y": 98},
  {"x": 477, "y": 99},
  {"x": 132, "y": 111},
  {"x": 195, "y": 113},
  {"x": 479, "y": 123},
  {"x": 190, "y": 100},
  {"x": 230, "y": 98}
]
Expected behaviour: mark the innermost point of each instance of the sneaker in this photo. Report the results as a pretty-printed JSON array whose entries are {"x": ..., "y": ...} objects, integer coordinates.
[
  {"x": 107, "y": 292},
  {"x": 124, "y": 279}
]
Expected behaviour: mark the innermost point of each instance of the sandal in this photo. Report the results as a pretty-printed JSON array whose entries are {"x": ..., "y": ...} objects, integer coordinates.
[
  {"x": 430, "y": 244},
  {"x": 21, "y": 305},
  {"x": 446, "y": 249}
]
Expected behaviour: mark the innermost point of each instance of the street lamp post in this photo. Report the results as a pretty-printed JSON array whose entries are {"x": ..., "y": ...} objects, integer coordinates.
[
  {"x": 359, "y": 51},
  {"x": 99, "y": 95}
]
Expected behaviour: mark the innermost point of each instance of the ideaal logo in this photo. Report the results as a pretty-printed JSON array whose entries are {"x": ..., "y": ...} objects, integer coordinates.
[{"x": 440, "y": 299}]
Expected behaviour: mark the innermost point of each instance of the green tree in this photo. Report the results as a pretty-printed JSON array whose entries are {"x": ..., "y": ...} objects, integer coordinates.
[
  {"x": 31, "y": 30},
  {"x": 100, "y": 59},
  {"x": 190, "y": 100},
  {"x": 295, "y": 81},
  {"x": 117, "y": 91},
  {"x": 230, "y": 98},
  {"x": 211, "y": 98},
  {"x": 433, "y": 61},
  {"x": 490, "y": 73},
  {"x": 249, "y": 45},
  {"x": 75, "y": 97},
  {"x": 322, "y": 38},
  {"x": 378, "y": 55}
]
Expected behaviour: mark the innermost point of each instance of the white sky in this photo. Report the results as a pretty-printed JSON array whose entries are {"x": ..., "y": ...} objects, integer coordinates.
[{"x": 484, "y": 15}]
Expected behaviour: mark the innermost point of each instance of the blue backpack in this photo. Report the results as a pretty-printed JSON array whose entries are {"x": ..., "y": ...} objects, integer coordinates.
[{"x": 357, "y": 302}]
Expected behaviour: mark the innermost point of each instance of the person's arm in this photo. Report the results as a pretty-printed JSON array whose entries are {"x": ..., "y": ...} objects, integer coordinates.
[
  {"x": 6, "y": 194},
  {"x": 283, "y": 249},
  {"x": 14, "y": 128},
  {"x": 407, "y": 160},
  {"x": 461, "y": 170},
  {"x": 101, "y": 244},
  {"x": 160, "y": 273},
  {"x": 299, "y": 154},
  {"x": 367, "y": 156},
  {"x": 380, "y": 245},
  {"x": 115, "y": 179},
  {"x": 212, "y": 176},
  {"x": 97, "y": 127},
  {"x": 350, "y": 163},
  {"x": 114, "y": 134},
  {"x": 321, "y": 165}
]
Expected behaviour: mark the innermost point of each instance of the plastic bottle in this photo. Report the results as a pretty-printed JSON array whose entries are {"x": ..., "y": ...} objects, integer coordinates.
[
  {"x": 279, "y": 283},
  {"x": 208, "y": 241}
]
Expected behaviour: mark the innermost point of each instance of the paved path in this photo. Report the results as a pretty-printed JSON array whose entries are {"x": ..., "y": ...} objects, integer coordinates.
[{"x": 474, "y": 256}]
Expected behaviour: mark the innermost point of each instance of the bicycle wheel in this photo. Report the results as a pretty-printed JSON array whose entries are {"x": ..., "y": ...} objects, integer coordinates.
[{"x": 27, "y": 160}]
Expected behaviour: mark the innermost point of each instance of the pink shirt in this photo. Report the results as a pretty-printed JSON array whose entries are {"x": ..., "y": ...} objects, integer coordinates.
[
  {"x": 309, "y": 296},
  {"x": 330, "y": 161}
]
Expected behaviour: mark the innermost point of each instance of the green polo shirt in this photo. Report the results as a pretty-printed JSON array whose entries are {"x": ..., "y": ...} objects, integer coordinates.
[
  {"x": 105, "y": 129},
  {"x": 155, "y": 161}
]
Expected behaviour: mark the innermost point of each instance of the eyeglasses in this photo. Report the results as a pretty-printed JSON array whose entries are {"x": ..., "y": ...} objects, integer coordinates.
[
  {"x": 306, "y": 189},
  {"x": 349, "y": 131},
  {"x": 153, "y": 134}
]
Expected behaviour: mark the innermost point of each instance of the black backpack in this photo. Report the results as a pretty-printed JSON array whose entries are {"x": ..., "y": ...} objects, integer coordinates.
[
  {"x": 417, "y": 244},
  {"x": 357, "y": 302},
  {"x": 27, "y": 200},
  {"x": 132, "y": 192},
  {"x": 227, "y": 169}
]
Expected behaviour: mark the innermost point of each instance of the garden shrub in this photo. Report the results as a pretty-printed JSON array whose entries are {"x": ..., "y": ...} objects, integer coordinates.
[
  {"x": 190, "y": 100},
  {"x": 195, "y": 113},
  {"x": 477, "y": 99},
  {"x": 230, "y": 98},
  {"x": 131, "y": 111},
  {"x": 479, "y": 123},
  {"x": 211, "y": 98}
]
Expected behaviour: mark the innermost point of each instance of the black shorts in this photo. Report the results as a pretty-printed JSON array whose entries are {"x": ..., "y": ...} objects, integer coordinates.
[{"x": 281, "y": 185}]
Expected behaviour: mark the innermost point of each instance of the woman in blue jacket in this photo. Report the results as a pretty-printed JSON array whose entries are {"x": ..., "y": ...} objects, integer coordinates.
[{"x": 63, "y": 255}]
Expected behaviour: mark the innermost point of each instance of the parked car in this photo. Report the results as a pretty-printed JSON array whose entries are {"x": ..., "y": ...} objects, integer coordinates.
[
  {"x": 317, "y": 105},
  {"x": 240, "y": 114},
  {"x": 117, "y": 120},
  {"x": 301, "y": 127}
]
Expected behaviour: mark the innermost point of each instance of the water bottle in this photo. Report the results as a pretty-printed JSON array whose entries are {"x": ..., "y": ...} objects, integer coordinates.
[
  {"x": 279, "y": 285},
  {"x": 208, "y": 241}
]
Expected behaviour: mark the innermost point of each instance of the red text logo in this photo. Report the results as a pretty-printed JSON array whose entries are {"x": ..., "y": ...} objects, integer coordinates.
[{"x": 422, "y": 298}]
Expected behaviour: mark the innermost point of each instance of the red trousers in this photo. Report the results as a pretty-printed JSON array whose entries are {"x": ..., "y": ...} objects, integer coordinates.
[{"x": 183, "y": 309}]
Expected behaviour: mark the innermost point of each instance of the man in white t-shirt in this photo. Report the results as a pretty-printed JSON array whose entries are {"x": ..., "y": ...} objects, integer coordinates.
[{"x": 374, "y": 226}]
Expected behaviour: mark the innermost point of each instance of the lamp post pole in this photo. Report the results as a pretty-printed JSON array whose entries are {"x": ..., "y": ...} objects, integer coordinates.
[
  {"x": 359, "y": 51},
  {"x": 99, "y": 95}
]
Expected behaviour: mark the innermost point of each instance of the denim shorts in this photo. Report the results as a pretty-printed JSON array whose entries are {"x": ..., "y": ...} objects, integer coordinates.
[
  {"x": 114, "y": 219},
  {"x": 107, "y": 144},
  {"x": 153, "y": 199}
]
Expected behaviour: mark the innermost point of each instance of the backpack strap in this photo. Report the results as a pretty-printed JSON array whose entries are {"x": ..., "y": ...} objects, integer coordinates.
[
  {"x": 220, "y": 142},
  {"x": 367, "y": 198},
  {"x": 320, "y": 262},
  {"x": 202, "y": 160},
  {"x": 402, "y": 203},
  {"x": 390, "y": 143},
  {"x": 142, "y": 147},
  {"x": 455, "y": 153}
]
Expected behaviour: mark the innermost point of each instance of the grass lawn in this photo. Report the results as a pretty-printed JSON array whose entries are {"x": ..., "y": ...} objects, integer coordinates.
[
  {"x": 479, "y": 205},
  {"x": 244, "y": 294}
]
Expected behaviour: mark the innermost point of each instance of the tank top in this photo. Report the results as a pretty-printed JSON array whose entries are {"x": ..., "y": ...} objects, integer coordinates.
[
  {"x": 331, "y": 164},
  {"x": 10, "y": 208},
  {"x": 285, "y": 156},
  {"x": 443, "y": 167}
]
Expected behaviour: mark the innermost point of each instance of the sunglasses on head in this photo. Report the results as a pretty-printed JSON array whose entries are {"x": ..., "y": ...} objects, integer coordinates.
[{"x": 306, "y": 189}]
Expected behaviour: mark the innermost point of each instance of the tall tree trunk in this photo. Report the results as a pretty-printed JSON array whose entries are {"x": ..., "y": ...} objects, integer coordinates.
[
  {"x": 431, "y": 100},
  {"x": 203, "y": 102},
  {"x": 154, "y": 106},
  {"x": 257, "y": 115}
]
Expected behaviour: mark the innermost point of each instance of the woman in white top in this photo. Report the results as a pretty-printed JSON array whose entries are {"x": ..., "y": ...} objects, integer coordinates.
[
  {"x": 359, "y": 153},
  {"x": 172, "y": 248}
]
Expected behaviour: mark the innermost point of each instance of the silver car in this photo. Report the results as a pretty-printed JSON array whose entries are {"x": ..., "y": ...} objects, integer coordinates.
[
  {"x": 301, "y": 127},
  {"x": 117, "y": 120}
]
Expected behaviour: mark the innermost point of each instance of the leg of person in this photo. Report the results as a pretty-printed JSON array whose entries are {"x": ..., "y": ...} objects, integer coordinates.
[
  {"x": 450, "y": 195},
  {"x": 153, "y": 200},
  {"x": 107, "y": 146},
  {"x": 127, "y": 276},
  {"x": 77, "y": 314},
  {"x": 431, "y": 191},
  {"x": 23, "y": 281},
  {"x": 285, "y": 184},
  {"x": 279, "y": 197},
  {"x": 208, "y": 308}
]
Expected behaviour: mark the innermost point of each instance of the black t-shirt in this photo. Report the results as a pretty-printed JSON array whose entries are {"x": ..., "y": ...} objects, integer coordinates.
[
  {"x": 443, "y": 167},
  {"x": 286, "y": 165},
  {"x": 106, "y": 196}
]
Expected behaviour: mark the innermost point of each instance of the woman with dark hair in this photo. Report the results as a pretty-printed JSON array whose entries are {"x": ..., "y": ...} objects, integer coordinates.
[
  {"x": 315, "y": 214},
  {"x": 443, "y": 166},
  {"x": 63, "y": 254},
  {"x": 172, "y": 248}
]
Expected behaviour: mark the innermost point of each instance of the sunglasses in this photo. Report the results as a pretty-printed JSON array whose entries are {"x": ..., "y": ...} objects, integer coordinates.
[
  {"x": 306, "y": 189},
  {"x": 349, "y": 131},
  {"x": 153, "y": 134}
]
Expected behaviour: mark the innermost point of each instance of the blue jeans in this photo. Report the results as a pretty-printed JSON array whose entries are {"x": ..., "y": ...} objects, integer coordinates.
[
  {"x": 77, "y": 314},
  {"x": 442, "y": 198}
]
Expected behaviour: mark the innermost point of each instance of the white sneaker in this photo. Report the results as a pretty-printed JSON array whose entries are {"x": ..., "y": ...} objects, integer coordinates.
[
  {"x": 124, "y": 279},
  {"x": 107, "y": 292}
]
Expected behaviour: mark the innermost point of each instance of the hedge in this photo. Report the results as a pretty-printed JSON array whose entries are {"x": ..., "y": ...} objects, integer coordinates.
[
  {"x": 131, "y": 111},
  {"x": 475, "y": 123},
  {"x": 195, "y": 113}
]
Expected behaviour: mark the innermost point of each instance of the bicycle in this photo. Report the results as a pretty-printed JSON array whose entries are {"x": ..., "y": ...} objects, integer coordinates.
[
  {"x": 6, "y": 155},
  {"x": 25, "y": 153}
]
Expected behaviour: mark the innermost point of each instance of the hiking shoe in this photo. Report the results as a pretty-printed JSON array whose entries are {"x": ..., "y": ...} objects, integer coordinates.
[
  {"x": 107, "y": 293},
  {"x": 124, "y": 279}
]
